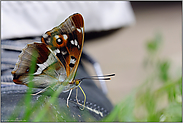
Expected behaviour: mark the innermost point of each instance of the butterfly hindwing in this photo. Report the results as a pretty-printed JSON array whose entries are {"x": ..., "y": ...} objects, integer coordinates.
[{"x": 47, "y": 69}]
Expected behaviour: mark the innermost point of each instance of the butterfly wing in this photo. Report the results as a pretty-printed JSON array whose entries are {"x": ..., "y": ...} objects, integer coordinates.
[
  {"x": 56, "y": 58},
  {"x": 67, "y": 39},
  {"x": 46, "y": 68}
]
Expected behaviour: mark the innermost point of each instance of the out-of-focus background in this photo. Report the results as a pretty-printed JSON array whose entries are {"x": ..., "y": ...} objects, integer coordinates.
[
  {"x": 116, "y": 34},
  {"x": 123, "y": 51}
]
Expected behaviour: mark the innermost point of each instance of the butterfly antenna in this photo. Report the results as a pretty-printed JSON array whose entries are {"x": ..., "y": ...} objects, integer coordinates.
[
  {"x": 105, "y": 75},
  {"x": 96, "y": 78},
  {"x": 93, "y": 77}
]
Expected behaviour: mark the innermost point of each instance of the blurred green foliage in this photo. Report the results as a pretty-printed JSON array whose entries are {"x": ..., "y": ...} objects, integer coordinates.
[{"x": 159, "y": 99}]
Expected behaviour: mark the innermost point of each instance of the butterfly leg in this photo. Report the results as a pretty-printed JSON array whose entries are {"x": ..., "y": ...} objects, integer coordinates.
[
  {"x": 76, "y": 97},
  {"x": 41, "y": 91},
  {"x": 84, "y": 97},
  {"x": 69, "y": 97}
]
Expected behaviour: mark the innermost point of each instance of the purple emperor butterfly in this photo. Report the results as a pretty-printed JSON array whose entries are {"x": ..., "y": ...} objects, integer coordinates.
[{"x": 56, "y": 58}]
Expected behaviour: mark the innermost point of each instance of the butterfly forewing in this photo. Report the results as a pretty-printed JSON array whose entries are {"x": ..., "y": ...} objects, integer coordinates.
[{"x": 67, "y": 40}]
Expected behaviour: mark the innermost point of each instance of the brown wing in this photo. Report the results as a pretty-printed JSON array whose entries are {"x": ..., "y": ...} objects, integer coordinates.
[
  {"x": 67, "y": 39},
  {"x": 56, "y": 59},
  {"x": 47, "y": 69}
]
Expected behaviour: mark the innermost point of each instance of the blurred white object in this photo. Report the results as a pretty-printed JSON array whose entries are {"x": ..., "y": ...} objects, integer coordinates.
[{"x": 33, "y": 18}]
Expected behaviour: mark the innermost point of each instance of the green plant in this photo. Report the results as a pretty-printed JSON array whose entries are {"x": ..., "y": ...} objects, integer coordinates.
[{"x": 160, "y": 96}]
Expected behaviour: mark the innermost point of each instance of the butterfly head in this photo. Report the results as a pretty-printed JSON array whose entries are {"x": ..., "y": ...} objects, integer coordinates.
[{"x": 76, "y": 82}]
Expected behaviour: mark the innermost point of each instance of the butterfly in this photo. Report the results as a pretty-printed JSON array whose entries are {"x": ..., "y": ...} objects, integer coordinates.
[{"x": 56, "y": 58}]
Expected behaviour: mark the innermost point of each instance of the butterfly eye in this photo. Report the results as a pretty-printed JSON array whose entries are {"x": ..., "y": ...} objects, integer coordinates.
[
  {"x": 59, "y": 41},
  {"x": 77, "y": 82}
]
